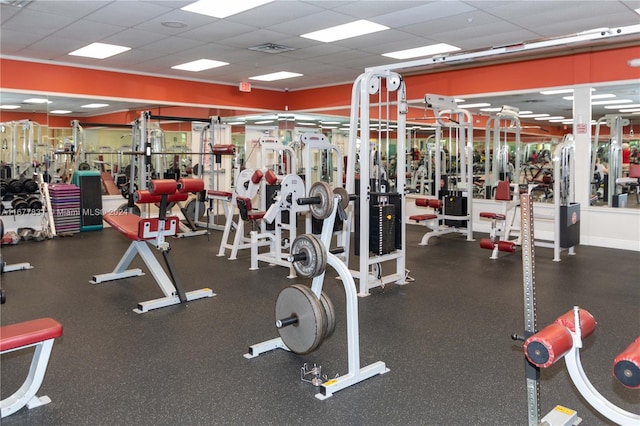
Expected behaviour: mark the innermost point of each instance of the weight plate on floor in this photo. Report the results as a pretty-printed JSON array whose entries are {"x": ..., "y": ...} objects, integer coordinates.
[
  {"x": 315, "y": 261},
  {"x": 330, "y": 314},
  {"x": 344, "y": 196},
  {"x": 321, "y": 190},
  {"x": 307, "y": 334}
]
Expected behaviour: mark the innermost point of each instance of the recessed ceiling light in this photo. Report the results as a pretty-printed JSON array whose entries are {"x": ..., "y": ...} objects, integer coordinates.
[
  {"x": 416, "y": 52},
  {"x": 60, "y": 111},
  {"x": 341, "y": 32},
  {"x": 554, "y": 117},
  {"x": 37, "y": 101},
  {"x": 622, "y": 106},
  {"x": 94, "y": 106},
  {"x": 222, "y": 9},
  {"x": 534, "y": 115},
  {"x": 478, "y": 105},
  {"x": 598, "y": 96},
  {"x": 638, "y": 11},
  {"x": 559, "y": 91},
  {"x": 99, "y": 50},
  {"x": 9, "y": 106},
  {"x": 200, "y": 65},
  {"x": 612, "y": 102},
  {"x": 630, "y": 110},
  {"x": 491, "y": 109},
  {"x": 280, "y": 75},
  {"x": 525, "y": 112},
  {"x": 263, "y": 122}
]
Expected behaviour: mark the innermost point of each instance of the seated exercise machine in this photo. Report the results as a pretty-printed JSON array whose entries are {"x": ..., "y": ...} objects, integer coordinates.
[
  {"x": 305, "y": 316},
  {"x": 564, "y": 338},
  {"x": 501, "y": 223},
  {"x": 247, "y": 187},
  {"x": 38, "y": 333},
  {"x": 283, "y": 214},
  {"x": 152, "y": 232}
]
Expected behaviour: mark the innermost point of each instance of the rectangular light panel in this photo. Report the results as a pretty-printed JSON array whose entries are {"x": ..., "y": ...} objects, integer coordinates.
[
  {"x": 344, "y": 31},
  {"x": 417, "y": 52},
  {"x": 222, "y": 9},
  {"x": 99, "y": 50},
  {"x": 280, "y": 75},
  {"x": 199, "y": 65}
]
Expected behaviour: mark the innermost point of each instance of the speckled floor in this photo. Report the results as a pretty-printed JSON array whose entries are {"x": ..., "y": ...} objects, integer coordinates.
[{"x": 445, "y": 338}]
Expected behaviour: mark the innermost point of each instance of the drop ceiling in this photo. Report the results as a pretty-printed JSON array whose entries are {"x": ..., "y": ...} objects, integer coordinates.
[{"x": 162, "y": 35}]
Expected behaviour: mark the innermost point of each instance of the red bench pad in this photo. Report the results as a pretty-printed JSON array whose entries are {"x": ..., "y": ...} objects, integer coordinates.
[
  {"x": 419, "y": 217},
  {"x": 491, "y": 215},
  {"x": 132, "y": 226},
  {"x": 29, "y": 332},
  {"x": 145, "y": 197},
  {"x": 223, "y": 194}
]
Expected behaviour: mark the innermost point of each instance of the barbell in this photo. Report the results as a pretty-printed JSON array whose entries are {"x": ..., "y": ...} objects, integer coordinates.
[{"x": 321, "y": 199}]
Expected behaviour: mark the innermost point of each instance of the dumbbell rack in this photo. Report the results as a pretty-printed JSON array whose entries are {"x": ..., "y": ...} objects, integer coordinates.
[{"x": 356, "y": 374}]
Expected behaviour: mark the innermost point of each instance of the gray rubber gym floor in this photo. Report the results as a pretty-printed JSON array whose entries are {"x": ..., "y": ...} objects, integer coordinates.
[{"x": 445, "y": 338}]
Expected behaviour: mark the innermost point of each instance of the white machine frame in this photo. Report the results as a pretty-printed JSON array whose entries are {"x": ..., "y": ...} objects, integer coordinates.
[
  {"x": 366, "y": 85},
  {"x": 356, "y": 374}
]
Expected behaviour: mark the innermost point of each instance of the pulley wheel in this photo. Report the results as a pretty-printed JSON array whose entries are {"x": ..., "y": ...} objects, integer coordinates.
[
  {"x": 315, "y": 261},
  {"x": 125, "y": 208},
  {"x": 308, "y": 332},
  {"x": 330, "y": 314},
  {"x": 321, "y": 190},
  {"x": 344, "y": 196}
]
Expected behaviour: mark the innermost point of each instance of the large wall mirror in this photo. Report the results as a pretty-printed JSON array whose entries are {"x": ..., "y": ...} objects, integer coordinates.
[{"x": 47, "y": 138}]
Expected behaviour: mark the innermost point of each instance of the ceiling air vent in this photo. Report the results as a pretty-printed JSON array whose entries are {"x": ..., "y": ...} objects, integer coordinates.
[{"x": 271, "y": 48}]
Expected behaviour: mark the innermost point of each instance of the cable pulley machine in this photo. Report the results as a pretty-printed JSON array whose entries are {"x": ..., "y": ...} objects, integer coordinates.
[{"x": 378, "y": 214}]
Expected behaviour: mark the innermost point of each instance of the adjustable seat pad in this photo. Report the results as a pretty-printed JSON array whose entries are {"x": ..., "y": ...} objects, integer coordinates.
[{"x": 29, "y": 332}]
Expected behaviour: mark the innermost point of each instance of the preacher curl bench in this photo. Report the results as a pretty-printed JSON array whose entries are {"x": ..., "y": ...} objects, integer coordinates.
[{"x": 152, "y": 232}]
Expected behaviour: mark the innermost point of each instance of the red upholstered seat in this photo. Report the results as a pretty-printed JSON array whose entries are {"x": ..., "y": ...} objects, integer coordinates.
[
  {"x": 223, "y": 194},
  {"x": 132, "y": 226},
  {"x": 419, "y": 217},
  {"x": 255, "y": 215},
  {"x": 29, "y": 332},
  {"x": 492, "y": 215},
  {"x": 422, "y": 202}
]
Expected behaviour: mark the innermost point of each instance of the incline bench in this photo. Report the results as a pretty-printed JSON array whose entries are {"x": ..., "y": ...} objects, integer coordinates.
[
  {"x": 39, "y": 333},
  {"x": 152, "y": 232}
]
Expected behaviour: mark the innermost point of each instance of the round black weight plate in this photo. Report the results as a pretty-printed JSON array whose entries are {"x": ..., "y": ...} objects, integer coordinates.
[
  {"x": 34, "y": 203},
  {"x": 321, "y": 190},
  {"x": 307, "y": 334},
  {"x": 315, "y": 261},
  {"x": 30, "y": 186},
  {"x": 330, "y": 314},
  {"x": 16, "y": 186},
  {"x": 20, "y": 205},
  {"x": 191, "y": 209},
  {"x": 84, "y": 166},
  {"x": 344, "y": 196}
]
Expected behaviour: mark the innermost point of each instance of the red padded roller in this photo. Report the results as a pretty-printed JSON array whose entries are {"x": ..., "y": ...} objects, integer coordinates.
[
  {"x": 587, "y": 322},
  {"x": 224, "y": 149},
  {"x": 271, "y": 177},
  {"x": 492, "y": 215},
  {"x": 144, "y": 197},
  {"x": 422, "y": 202},
  {"x": 548, "y": 345},
  {"x": 163, "y": 186},
  {"x": 257, "y": 176},
  {"x": 507, "y": 246},
  {"x": 486, "y": 243},
  {"x": 190, "y": 185},
  {"x": 626, "y": 366},
  {"x": 435, "y": 203}
]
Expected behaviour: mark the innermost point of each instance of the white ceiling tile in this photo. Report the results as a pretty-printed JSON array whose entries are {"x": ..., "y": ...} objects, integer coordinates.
[
  {"x": 172, "y": 45},
  {"x": 253, "y": 38},
  {"x": 371, "y": 9},
  {"x": 132, "y": 38},
  {"x": 71, "y": 8},
  {"x": 318, "y": 21},
  {"x": 216, "y": 31},
  {"x": 272, "y": 13},
  {"x": 128, "y": 15},
  {"x": 424, "y": 13},
  {"x": 38, "y": 22},
  {"x": 13, "y": 41},
  {"x": 7, "y": 12},
  {"x": 87, "y": 31}
]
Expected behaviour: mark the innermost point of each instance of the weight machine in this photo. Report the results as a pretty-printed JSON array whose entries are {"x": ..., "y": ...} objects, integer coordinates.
[
  {"x": 563, "y": 338},
  {"x": 498, "y": 129},
  {"x": 305, "y": 316},
  {"x": 615, "y": 123},
  {"x": 380, "y": 233},
  {"x": 454, "y": 209}
]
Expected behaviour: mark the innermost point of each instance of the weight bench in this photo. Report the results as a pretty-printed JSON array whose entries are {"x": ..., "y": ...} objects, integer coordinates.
[
  {"x": 39, "y": 333},
  {"x": 152, "y": 232}
]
